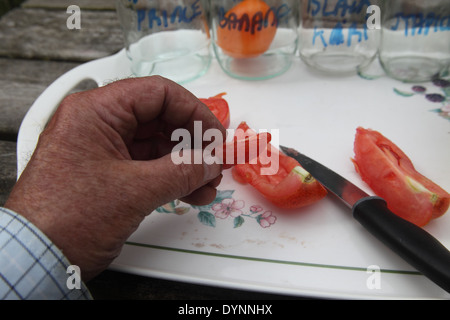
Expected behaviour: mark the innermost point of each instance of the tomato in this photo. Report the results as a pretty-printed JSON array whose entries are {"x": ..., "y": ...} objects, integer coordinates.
[
  {"x": 247, "y": 30},
  {"x": 289, "y": 187},
  {"x": 240, "y": 149},
  {"x": 219, "y": 107},
  {"x": 391, "y": 175}
]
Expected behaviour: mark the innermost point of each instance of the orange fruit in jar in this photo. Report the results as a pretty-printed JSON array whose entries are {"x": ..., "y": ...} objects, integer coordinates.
[{"x": 247, "y": 30}]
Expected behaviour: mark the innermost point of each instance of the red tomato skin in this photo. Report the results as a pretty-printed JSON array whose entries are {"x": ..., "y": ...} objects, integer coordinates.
[
  {"x": 391, "y": 175},
  {"x": 219, "y": 107},
  {"x": 287, "y": 189}
]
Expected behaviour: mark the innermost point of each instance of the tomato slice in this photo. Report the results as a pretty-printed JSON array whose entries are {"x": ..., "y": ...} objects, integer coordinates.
[
  {"x": 391, "y": 175},
  {"x": 219, "y": 107},
  {"x": 289, "y": 187},
  {"x": 244, "y": 149}
]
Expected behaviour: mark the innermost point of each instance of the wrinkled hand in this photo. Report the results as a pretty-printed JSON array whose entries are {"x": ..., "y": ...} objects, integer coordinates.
[{"x": 103, "y": 163}]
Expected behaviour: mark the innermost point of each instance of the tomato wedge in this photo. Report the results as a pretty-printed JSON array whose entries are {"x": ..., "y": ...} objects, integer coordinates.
[
  {"x": 244, "y": 149},
  {"x": 219, "y": 107},
  {"x": 289, "y": 187},
  {"x": 391, "y": 175}
]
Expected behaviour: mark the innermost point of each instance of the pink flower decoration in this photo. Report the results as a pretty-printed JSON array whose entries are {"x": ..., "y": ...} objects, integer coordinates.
[
  {"x": 228, "y": 207},
  {"x": 256, "y": 208},
  {"x": 267, "y": 219}
]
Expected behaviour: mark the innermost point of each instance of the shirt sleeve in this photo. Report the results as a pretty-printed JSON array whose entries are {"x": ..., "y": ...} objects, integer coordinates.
[{"x": 31, "y": 266}]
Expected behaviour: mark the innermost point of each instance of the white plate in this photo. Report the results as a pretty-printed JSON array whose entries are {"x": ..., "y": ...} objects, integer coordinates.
[{"x": 318, "y": 251}]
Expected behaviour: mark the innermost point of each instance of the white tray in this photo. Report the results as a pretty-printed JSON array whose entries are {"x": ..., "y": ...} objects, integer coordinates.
[{"x": 319, "y": 251}]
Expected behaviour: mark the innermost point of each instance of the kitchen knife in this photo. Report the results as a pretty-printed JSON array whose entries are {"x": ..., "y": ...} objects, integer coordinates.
[{"x": 416, "y": 246}]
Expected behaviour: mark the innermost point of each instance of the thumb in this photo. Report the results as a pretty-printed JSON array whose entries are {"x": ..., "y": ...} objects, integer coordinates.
[{"x": 173, "y": 177}]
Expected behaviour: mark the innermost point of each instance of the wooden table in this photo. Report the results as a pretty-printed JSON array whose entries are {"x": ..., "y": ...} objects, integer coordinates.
[{"x": 36, "y": 48}]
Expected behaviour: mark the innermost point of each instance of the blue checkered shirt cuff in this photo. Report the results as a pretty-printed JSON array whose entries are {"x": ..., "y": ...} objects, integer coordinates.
[{"x": 31, "y": 266}]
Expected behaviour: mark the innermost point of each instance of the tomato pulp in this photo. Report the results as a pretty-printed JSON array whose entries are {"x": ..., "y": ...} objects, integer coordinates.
[
  {"x": 219, "y": 107},
  {"x": 243, "y": 149},
  {"x": 289, "y": 187},
  {"x": 391, "y": 175}
]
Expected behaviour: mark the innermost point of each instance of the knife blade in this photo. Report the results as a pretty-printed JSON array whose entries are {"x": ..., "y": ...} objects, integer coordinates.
[{"x": 412, "y": 243}]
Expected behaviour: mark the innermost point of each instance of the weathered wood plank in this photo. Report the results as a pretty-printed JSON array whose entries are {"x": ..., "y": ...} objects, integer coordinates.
[
  {"x": 21, "y": 84},
  {"x": 7, "y": 169},
  {"x": 43, "y": 34},
  {"x": 63, "y": 4},
  {"x": 6, "y": 5}
]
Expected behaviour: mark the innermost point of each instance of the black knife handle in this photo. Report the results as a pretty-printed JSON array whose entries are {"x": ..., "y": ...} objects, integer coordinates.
[{"x": 416, "y": 246}]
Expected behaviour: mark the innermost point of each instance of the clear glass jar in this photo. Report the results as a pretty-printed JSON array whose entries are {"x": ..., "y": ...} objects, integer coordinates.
[
  {"x": 166, "y": 37},
  {"x": 254, "y": 39},
  {"x": 415, "y": 44},
  {"x": 336, "y": 36}
]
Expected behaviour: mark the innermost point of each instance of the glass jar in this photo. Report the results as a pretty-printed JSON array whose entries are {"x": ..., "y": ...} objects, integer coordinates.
[
  {"x": 415, "y": 43},
  {"x": 254, "y": 39},
  {"x": 338, "y": 36},
  {"x": 166, "y": 37}
]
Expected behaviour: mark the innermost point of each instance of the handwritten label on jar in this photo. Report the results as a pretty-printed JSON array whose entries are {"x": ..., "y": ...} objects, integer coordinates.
[
  {"x": 355, "y": 30},
  {"x": 255, "y": 22},
  {"x": 342, "y": 7},
  {"x": 156, "y": 17},
  {"x": 418, "y": 24}
]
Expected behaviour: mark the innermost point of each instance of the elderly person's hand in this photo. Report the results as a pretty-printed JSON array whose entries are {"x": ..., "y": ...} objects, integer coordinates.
[{"x": 103, "y": 163}]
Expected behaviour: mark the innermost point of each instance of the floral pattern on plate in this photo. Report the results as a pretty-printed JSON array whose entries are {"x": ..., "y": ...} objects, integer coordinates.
[
  {"x": 224, "y": 207},
  {"x": 441, "y": 97},
  {"x": 436, "y": 91}
]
